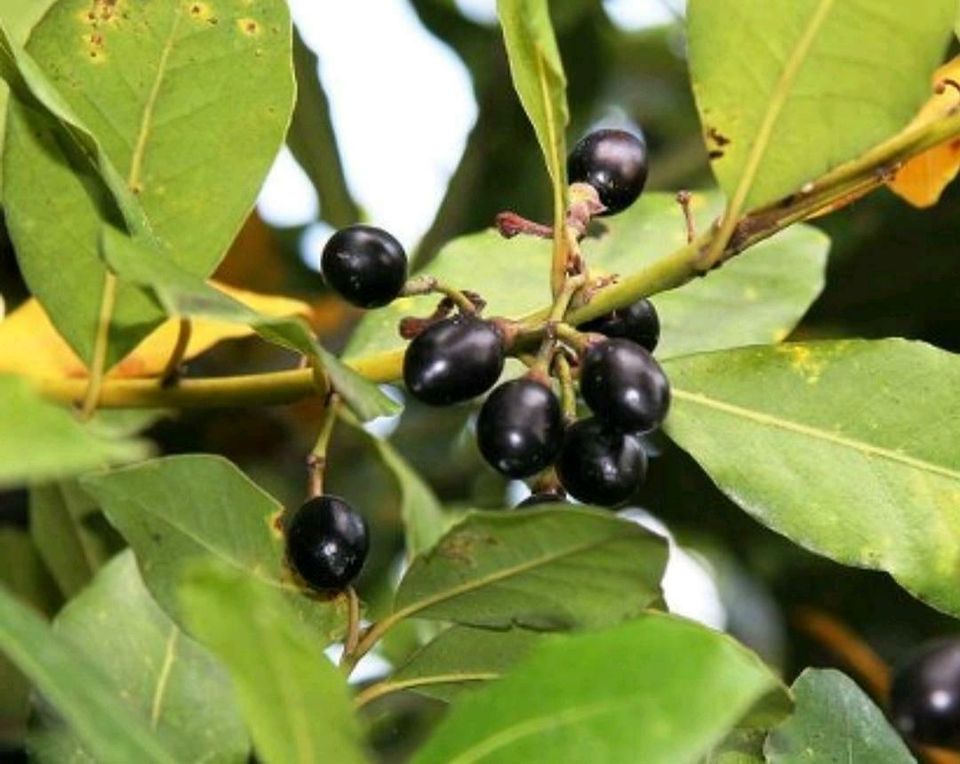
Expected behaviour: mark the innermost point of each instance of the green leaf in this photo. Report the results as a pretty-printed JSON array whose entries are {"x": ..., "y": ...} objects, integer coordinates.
[
  {"x": 462, "y": 658},
  {"x": 19, "y": 16},
  {"x": 543, "y": 569},
  {"x": 23, "y": 573},
  {"x": 189, "y": 102},
  {"x": 172, "y": 683},
  {"x": 769, "y": 287},
  {"x": 834, "y": 721},
  {"x": 40, "y": 441},
  {"x": 658, "y": 689},
  {"x": 788, "y": 89},
  {"x": 179, "y": 509},
  {"x": 846, "y": 447},
  {"x": 295, "y": 701},
  {"x": 182, "y": 293},
  {"x": 73, "y": 537},
  {"x": 538, "y": 78},
  {"x": 423, "y": 517},
  {"x": 76, "y": 688}
]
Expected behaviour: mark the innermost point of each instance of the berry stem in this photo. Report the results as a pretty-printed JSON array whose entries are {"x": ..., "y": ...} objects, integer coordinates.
[
  {"x": 171, "y": 373},
  {"x": 568, "y": 395},
  {"x": 561, "y": 304},
  {"x": 317, "y": 460},
  {"x": 428, "y": 284},
  {"x": 101, "y": 345},
  {"x": 353, "y": 624},
  {"x": 577, "y": 340}
]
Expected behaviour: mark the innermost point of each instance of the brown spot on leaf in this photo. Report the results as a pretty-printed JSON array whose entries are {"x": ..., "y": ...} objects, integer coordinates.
[
  {"x": 201, "y": 12},
  {"x": 715, "y": 154},
  {"x": 249, "y": 27},
  {"x": 717, "y": 137}
]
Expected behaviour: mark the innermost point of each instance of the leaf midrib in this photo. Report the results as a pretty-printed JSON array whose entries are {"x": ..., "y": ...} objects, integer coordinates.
[
  {"x": 799, "y": 428},
  {"x": 533, "y": 726},
  {"x": 498, "y": 575},
  {"x": 134, "y": 179}
]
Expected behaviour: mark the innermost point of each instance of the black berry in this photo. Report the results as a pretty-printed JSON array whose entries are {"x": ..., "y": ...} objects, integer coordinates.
[
  {"x": 453, "y": 360},
  {"x": 614, "y": 162},
  {"x": 520, "y": 428},
  {"x": 638, "y": 322},
  {"x": 364, "y": 265},
  {"x": 538, "y": 499},
  {"x": 624, "y": 386},
  {"x": 925, "y": 695},
  {"x": 327, "y": 542},
  {"x": 600, "y": 465}
]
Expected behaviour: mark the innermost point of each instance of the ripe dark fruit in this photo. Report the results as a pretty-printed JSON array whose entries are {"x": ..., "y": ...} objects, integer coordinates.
[
  {"x": 600, "y": 465},
  {"x": 539, "y": 499},
  {"x": 624, "y": 386},
  {"x": 925, "y": 695},
  {"x": 614, "y": 162},
  {"x": 520, "y": 428},
  {"x": 364, "y": 265},
  {"x": 638, "y": 322},
  {"x": 327, "y": 542},
  {"x": 453, "y": 360}
]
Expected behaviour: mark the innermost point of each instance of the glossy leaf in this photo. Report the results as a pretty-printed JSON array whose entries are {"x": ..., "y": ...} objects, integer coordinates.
[
  {"x": 79, "y": 691},
  {"x": 172, "y": 683},
  {"x": 73, "y": 538},
  {"x": 424, "y": 519},
  {"x": 18, "y": 16},
  {"x": 544, "y": 569},
  {"x": 461, "y": 658},
  {"x": 295, "y": 701},
  {"x": 188, "y": 104},
  {"x": 848, "y": 448},
  {"x": 800, "y": 95},
  {"x": 770, "y": 286},
  {"x": 538, "y": 78},
  {"x": 23, "y": 573},
  {"x": 922, "y": 179},
  {"x": 834, "y": 721},
  {"x": 183, "y": 294},
  {"x": 31, "y": 346},
  {"x": 646, "y": 691},
  {"x": 179, "y": 509},
  {"x": 41, "y": 441}
]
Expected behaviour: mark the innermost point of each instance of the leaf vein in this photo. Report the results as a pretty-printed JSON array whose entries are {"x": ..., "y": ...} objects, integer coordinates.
[{"x": 867, "y": 449}]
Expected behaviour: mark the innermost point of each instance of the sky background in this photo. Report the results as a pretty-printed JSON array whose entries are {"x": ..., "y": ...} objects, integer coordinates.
[{"x": 402, "y": 106}]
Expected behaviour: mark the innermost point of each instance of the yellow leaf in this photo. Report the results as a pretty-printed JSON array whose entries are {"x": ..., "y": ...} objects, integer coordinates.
[
  {"x": 921, "y": 180},
  {"x": 31, "y": 346}
]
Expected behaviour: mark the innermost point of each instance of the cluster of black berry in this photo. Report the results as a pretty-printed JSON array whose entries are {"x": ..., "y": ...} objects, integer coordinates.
[{"x": 521, "y": 429}]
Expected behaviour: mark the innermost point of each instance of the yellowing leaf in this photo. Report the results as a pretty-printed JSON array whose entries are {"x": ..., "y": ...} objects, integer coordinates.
[
  {"x": 921, "y": 180},
  {"x": 31, "y": 346}
]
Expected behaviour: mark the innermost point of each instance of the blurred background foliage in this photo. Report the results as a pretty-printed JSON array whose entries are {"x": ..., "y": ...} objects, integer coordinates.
[{"x": 892, "y": 272}]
